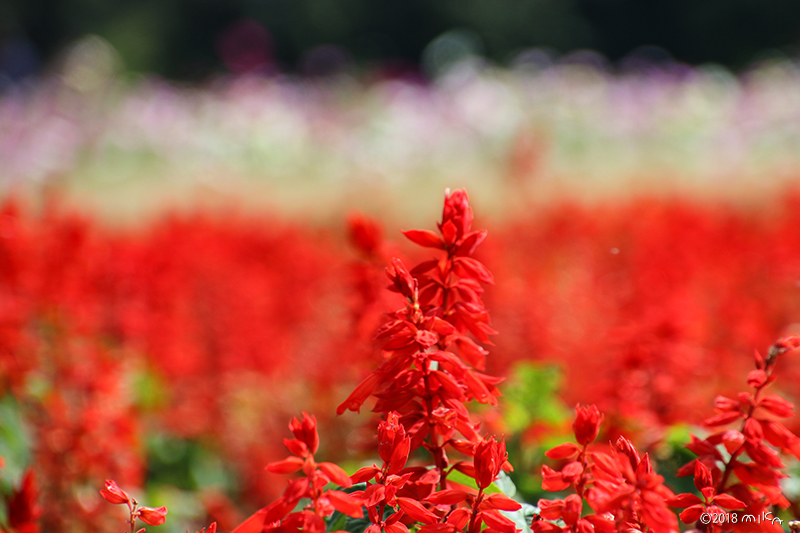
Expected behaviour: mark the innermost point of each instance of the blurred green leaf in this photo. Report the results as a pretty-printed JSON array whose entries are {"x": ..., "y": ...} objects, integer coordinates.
[
  {"x": 151, "y": 391},
  {"x": 15, "y": 443},
  {"x": 531, "y": 396}
]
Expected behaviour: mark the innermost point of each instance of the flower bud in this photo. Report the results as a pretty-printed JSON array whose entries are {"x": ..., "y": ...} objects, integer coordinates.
[
  {"x": 306, "y": 431},
  {"x": 113, "y": 493},
  {"x": 587, "y": 424}
]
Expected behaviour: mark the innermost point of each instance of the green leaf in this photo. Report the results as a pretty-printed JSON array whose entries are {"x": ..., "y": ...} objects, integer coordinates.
[
  {"x": 337, "y": 521},
  {"x": 15, "y": 442},
  {"x": 463, "y": 479}
]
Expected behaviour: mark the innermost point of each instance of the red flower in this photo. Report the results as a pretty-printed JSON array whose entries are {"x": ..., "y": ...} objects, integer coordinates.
[
  {"x": 305, "y": 431},
  {"x": 365, "y": 232},
  {"x": 23, "y": 508},
  {"x": 153, "y": 516},
  {"x": 456, "y": 216},
  {"x": 587, "y": 424},
  {"x": 490, "y": 458},
  {"x": 393, "y": 444},
  {"x": 113, "y": 493},
  {"x": 711, "y": 501}
]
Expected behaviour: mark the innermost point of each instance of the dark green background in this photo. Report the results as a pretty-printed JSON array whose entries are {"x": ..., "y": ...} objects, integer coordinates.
[{"x": 176, "y": 38}]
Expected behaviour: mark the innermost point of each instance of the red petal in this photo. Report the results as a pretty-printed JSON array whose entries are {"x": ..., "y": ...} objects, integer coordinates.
[
  {"x": 498, "y": 522},
  {"x": 459, "y": 517},
  {"x": 345, "y": 503},
  {"x": 553, "y": 481},
  {"x": 399, "y": 527},
  {"x": 417, "y": 511},
  {"x": 297, "y": 447},
  {"x": 470, "y": 242},
  {"x": 287, "y": 466},
  {"x": 722, "y": 419},
  {"x": 365, "y": 474},
  {"x": 756, "y": 378},
  {"x": 360, "y": 394},
  {"x": 501, "y": 502},
  {"x": 777, "y": 406},
  {"x": 684, "y": 500},
  {"x": 425, "y": 238},
  {"x": 732, "y": 440},
  {"x": 425, "y": 266},
  {"x": 254, "y": 524},
  {"x": 563, "y": 451},
  {"x": 728, "y": 502},
  {"x": 399, "y": 456},
  {"x": 336, "y": 474},
  {"x": 692, "y": 514},
  {"x": 449, "y": 232},
  {"x": 467, "y": 267},
  {"x": 447, "y": 497}
]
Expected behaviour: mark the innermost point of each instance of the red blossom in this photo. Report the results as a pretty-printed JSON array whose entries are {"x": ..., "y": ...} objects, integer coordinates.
[
  {"x": 112, "y": 493},
  {"x": 587, "y": 424},
  {"x": 153, "y": 516}
]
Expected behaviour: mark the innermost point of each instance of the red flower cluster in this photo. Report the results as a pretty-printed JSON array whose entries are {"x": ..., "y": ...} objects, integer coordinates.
[
  {"x": 724, "y": 478},
  {"x": 278, "y": 517},
  {"x": 620, "y": 486},
  {"x": 85, "y": 315},
  {"x": 421, "y": 388}
]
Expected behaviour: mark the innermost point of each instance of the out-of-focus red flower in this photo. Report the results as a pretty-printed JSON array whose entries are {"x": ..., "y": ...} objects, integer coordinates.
[
  {"x": 23, "y": 509},
  {"x": 212, "y": 528},
  {"x": 365, "y": 232}
]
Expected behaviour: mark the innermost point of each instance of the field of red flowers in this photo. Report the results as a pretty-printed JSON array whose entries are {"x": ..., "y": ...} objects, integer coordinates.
[{"x": 170, "y": 358}]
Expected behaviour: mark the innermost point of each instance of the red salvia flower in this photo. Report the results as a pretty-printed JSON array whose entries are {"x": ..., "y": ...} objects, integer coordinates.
[
  {"x": 757, "y": 484},
  {"x": 278, "y": 517},
  {"x": 621, "y": 487},
  {"x": 432, "y": 363},
  {"x": 587, "y": 424},
  {"x": 112, "y": 493},
  {"x": 153, "y": 516}
]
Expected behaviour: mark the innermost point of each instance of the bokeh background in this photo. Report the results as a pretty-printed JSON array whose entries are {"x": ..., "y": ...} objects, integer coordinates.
[{"x": 199, "y": 199}]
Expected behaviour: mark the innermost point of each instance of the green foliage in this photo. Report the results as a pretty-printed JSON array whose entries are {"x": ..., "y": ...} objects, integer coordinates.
[
  {"x": 186, "y": 464},
  {"x": 15, "y": 443},
  {"x": 530, "y": 397},
  {"x": 463, "y": 479},
  {"x": 530, "y": 400}
]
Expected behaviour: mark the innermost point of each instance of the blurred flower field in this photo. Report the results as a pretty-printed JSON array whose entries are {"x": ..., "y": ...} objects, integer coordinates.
[
  {"x": 183, "y": 270},
  {"x": 569, "y": 130}
]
